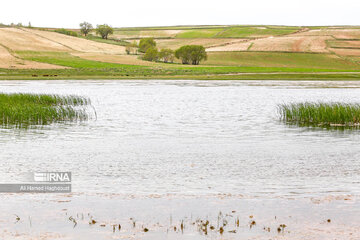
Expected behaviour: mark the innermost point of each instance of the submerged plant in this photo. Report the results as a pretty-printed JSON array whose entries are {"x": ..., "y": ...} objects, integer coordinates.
[
  {"x": 321, "y": 114},
  {"x": 23, "y": 110}
]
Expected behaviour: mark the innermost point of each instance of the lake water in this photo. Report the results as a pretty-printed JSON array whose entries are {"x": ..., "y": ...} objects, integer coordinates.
[{"x": 199, "y": 139}]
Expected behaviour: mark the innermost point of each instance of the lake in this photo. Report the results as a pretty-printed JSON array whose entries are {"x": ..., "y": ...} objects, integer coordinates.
[{"x": 170, "y": 151}]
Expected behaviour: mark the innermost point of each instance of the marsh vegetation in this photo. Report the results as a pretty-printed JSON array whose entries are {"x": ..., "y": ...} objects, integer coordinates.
[
  {"x": 322, "y": 114},
  {"x": 23, "y": 110}
]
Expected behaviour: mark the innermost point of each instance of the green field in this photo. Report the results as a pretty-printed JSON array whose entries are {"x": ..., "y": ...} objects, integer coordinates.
[
  {"x": 200, "y": 33},
  {"x": 221, "y": 65},
  {"x": 207, "y": 31},
  {"x": 219, "y": 62},
  {"x": 68, "y": 60},
  {"x": 245, "y": 32},
  {"x": 284, "y": 60}
]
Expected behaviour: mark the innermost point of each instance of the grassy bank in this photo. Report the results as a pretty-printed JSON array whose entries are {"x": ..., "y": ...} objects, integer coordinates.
[
  {"x": 323, "y": 114},
  {"x": 69, "y": 74},
  {"x": 220, "y": 65},
  {"x": 255, "y": 66},
  {"x": 23, "y": 110}
]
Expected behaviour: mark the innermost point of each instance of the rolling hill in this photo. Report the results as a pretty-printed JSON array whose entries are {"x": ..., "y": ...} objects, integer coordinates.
[{"x": 249, "y": 48}]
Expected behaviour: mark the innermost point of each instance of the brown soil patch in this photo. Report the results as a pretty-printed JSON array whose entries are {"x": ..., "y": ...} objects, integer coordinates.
[
  {"x": 241, "y": 45},
  {"x": 291, "y": 44},
  {"x": 78, "y": 44},
  {"x": 336, "y": 33},
  {"x": 345, "y": 44},
  {"x": 11, "y": 62},
  {"x": 206, "y": 42},
  {"x": 19, "y": 40},
  {"x": 278, "y": 44},
  {"x": 346, "y": 52}
]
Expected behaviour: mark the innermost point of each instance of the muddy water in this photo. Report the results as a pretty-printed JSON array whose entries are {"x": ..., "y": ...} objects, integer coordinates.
[{"x": 181, "y": 149}]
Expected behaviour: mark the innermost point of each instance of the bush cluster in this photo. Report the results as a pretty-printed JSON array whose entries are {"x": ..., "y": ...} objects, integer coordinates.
[
  {"x": 164, "y": 55},
  {"x": 66, "y": 32},
  {"x": 191, "y": 54},
  {"x": 188, "y": 54}
]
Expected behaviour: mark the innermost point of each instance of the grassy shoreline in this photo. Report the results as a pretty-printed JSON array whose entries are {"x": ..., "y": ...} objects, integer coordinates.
[
  {"x": 221, "y": 66},
  {"x": 241, "y": 76}
]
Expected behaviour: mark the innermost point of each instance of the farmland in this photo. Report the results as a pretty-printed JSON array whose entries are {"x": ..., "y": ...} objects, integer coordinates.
[{"x": 234, "y": 52}]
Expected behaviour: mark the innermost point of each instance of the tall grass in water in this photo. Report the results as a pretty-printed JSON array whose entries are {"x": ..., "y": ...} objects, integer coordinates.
[
  {"x": 323, "y": 114},
  {"x": 22, "y": 110}
]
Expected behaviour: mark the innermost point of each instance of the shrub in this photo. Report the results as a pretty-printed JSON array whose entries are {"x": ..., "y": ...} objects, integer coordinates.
[
  {"x": 191, "y": 54},
  {"x": 151, "y": 54},
  {"x": 131, "y": 48},
  {"x": 146, "y": 43},
  {"x": 167, "y": 55}
]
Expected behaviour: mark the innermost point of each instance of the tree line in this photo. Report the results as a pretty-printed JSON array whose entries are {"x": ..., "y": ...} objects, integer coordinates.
[
  {"x": 188, "y": 54},
  {"x": 103, "y": 30}
]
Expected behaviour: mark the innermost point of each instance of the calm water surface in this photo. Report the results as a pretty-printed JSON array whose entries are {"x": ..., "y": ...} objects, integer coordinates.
[{"x": 189, "y": 138}]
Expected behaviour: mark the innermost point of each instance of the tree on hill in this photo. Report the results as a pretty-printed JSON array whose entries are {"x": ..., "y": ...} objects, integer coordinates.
[
  {"x": 193, "y": 54},
  {"x": 167, "y": 55},
  {"x": 104, "y": 31},
  {"x": 152, "y": 54},
  {"x": 132, "y": 48},
  {"x": 85, "y": 28},
  {"x": 146, "y": 43}
]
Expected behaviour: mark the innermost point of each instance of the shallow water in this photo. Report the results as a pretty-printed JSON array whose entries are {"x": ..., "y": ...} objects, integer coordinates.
[
  {"x": 175, "y": 139},
  {"x": 188, "y": 137}
]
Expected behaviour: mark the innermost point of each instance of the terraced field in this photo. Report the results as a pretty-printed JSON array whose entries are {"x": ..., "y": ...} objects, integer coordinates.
[
  {"x": 206, "y": 32},
  {"x": 287, "y": 60},
  {"x": 18, "y": 39},
  {"x": 256, "y": 31},
  {"x": 206, "y": 42},
  {"x": 231, "y": 50}
]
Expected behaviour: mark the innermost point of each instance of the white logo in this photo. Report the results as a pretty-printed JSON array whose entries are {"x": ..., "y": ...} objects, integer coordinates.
[{"x": 52, "y": 177}]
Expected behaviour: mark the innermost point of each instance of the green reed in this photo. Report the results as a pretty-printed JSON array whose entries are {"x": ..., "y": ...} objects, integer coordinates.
[
  {"x": 23, "y": 110},
  {"x": 324, "y": 114}
]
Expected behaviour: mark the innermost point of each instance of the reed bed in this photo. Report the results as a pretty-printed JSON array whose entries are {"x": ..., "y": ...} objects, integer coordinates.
[
  {"x": 23, "y": 110},
  {"x": 321, "y": 114}
]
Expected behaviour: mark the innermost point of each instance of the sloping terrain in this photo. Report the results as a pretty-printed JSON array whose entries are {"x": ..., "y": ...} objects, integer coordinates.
[
  {"x": 111, "y": 58},
  {"x": 323, "y": 48},
  {"x": 19, "y": 40},
  {"x": 206, "y": 42},
  {"x": 7, "y": 60},
  {"x": 239, "y": 45},
  {"x": 337, "y": 33},
  {"x": 78, "y": 44}
]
